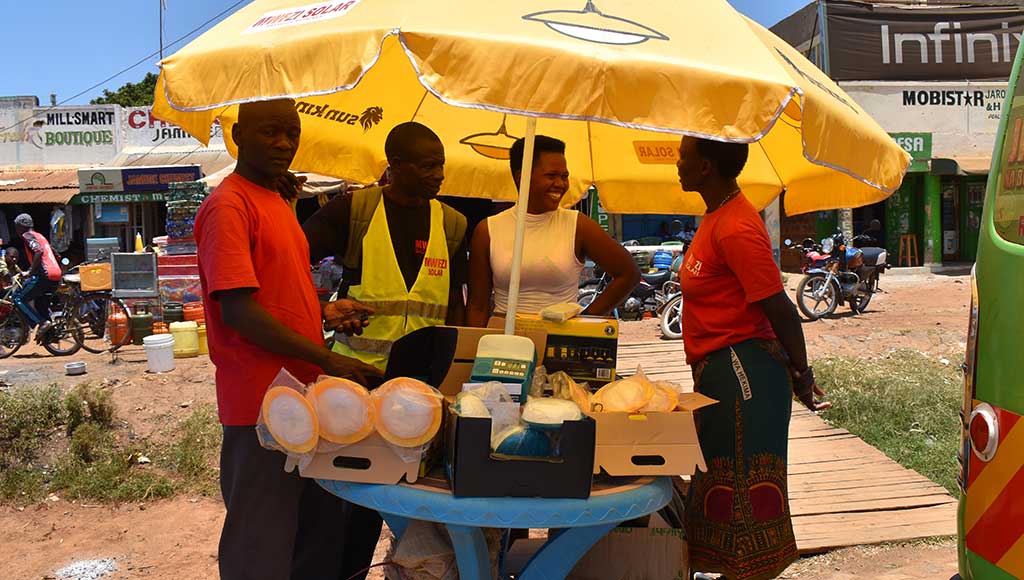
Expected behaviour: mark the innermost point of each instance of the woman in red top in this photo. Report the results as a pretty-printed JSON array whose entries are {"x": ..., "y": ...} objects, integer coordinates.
[{"x": 743, "y": 339}]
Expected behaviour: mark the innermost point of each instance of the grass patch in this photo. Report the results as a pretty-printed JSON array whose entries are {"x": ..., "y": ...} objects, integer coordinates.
[
  {"x": 92, "y": 462},
  {"x": 906, "y": 404},
  {"x": 191, "y": 456}
]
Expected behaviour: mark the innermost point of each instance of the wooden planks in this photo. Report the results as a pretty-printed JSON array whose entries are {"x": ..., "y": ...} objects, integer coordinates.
[{"x": 843, "y": 492}]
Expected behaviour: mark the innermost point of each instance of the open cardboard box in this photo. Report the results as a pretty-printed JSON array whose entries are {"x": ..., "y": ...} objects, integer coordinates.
[
  {"x": 371, "y": 460},
  {"x": 442, "y": 356},
  {"x": 585, "y": 347},
  {"x": 652, "y": 443},
  {"x": 475, "y": 471}
]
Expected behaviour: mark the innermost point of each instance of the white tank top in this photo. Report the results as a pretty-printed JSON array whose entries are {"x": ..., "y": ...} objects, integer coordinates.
[{"x": 551, "y": 270}]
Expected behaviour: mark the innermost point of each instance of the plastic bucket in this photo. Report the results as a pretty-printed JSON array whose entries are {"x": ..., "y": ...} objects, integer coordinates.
[
  {"x": 204, "y": 347},
  {"x": 186, "y": 339},
  {"x": 159, "y": 352}
]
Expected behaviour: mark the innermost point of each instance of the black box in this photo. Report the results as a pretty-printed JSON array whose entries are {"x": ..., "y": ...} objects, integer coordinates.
[{"x": 474, "y": 471}]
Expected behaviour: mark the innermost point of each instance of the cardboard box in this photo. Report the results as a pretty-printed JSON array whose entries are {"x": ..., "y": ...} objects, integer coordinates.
[
  {"x": 585, "y": 347},
  {"x": 652, "y": 443},
  {"x": 474, "y": 471},
  {"x": 442, "y": 356},
  {"x": 371, "y": 460},
  {"x": 635, "y": 553}
]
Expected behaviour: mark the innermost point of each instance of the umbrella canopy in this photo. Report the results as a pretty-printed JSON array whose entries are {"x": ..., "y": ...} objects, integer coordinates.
[{"x": 618, "y": 80}]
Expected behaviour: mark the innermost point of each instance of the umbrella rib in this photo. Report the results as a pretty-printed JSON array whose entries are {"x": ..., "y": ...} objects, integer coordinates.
[
  {"x": 420, "y": 105},
  {"x": 590, "y": 147},
  {"x": 771, "y": 164}
]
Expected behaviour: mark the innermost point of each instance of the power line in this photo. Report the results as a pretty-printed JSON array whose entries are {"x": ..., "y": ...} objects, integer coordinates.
[{"x": 122, "y": 71}]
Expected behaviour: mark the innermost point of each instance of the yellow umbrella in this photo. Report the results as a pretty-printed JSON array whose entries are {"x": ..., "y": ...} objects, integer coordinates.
[
  {"x": 638, "y": 73},
  {"x": 619, "y": 80}
]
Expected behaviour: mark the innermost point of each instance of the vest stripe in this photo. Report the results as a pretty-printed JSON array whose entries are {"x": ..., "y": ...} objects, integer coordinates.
[
  {"x": 371, "y": 345},
  {"x": 437, "y": 312}
]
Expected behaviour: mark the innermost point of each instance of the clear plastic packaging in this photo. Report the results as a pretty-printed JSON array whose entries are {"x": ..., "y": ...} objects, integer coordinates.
[
  {"x": 626, "y": 395},
  {"x": 503, "y": 412},
  {"x": 408, "y": 415},
  {"x": 564, "y": 387}
]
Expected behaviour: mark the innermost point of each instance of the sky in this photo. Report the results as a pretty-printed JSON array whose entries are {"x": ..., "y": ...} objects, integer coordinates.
[{"x": 74, "y": 44}]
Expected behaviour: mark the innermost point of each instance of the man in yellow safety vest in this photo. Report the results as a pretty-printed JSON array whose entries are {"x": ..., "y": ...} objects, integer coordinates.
[{"x": 403, "y": 251}]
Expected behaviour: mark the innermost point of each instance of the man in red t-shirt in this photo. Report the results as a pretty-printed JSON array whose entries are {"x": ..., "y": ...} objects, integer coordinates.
[
  {"x": 44, "y": 272},
  {"x": 262, "y": 315}
]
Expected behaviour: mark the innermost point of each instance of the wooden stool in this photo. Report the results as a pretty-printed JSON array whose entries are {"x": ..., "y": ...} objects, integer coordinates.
[{"x": 908, "y": 250}]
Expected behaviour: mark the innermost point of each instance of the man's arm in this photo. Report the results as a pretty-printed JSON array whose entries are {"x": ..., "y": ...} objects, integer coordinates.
[
  {"x": 327, "y": 229},
  {"x": 246, "y": 317},
  {"x": 613, "y": 259}
]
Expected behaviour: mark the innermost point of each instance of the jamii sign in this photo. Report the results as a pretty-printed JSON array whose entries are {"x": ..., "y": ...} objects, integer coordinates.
[{"x": 887, "y": 43}]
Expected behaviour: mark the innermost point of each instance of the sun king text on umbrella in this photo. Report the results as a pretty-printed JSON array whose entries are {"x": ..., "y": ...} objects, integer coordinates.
[{"x": 301, "y": 15}]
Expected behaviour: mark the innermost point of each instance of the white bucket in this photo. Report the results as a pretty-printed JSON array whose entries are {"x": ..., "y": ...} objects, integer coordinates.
[{"x": 159, "y": 352}]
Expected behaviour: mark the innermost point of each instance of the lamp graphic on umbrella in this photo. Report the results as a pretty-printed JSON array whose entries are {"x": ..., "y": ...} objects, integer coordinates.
[
  {"x": 491, "y": 145},
  {"x": 591, "y": 25}
]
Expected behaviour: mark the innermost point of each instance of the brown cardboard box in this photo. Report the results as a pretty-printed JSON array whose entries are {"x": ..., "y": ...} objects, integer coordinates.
[
  {"x": 636, "y": 554},
  {"x": 371, "y": 460},
  {"x": 585, "y": 347},
  {"x": 652, "y": 443},
  {"x": 443, "y": 356}
]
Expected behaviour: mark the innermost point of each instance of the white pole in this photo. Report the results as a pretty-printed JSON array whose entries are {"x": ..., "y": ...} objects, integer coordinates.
[{"x": 517, "y": 247}]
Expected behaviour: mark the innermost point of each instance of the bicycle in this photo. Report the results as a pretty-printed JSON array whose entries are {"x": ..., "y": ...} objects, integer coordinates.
[
  {"x": 60, "y": 336},
  {"x": 92, "y": 309}
]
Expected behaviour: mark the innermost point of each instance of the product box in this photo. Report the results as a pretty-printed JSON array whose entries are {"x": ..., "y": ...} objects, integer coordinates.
[
  {"x": 180, "y": 260},
  {"x": 630, "y": 553},
  {"x": 177, "y": 270},
  {"x": 650, "y": 444},
  {"x": 442, "y": 356},
  {"x": 475, "y": 471},
  {"x": 585, "y": 347},
  {"x": 371, "y": 460}
]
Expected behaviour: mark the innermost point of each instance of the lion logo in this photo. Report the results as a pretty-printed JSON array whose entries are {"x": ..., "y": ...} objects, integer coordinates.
[{"x": 371, "y": 117}]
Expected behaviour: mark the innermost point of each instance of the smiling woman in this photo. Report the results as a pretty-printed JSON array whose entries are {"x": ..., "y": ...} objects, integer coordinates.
[{"x": 556, "y": 244}]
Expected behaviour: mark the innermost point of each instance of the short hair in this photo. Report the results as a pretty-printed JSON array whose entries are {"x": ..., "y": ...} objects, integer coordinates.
[
  {"x": 728, "y": 158},
  {"x": 399, "y": 141},
  {"x": 541, "y": 144}
]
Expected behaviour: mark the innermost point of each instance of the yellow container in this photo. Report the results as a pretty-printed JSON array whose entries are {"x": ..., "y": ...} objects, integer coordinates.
[
  {"x": 186, "y": 339},
  {"x": 95, "y": 277},
  {"x": 203, "y": 347}
]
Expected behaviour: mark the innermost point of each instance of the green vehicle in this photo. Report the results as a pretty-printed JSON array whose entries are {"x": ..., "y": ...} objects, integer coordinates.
[{"x": 991, "y": 509}]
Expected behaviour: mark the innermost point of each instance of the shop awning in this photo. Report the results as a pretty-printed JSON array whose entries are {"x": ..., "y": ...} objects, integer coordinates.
[
  {"x": 211, "y": 160},
  {"x": 961, "y": 165},
  {"x": 38, "y": 186}
]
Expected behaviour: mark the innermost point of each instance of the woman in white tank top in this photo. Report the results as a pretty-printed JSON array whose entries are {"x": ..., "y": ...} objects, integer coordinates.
[{"x": 557, "y": 242}]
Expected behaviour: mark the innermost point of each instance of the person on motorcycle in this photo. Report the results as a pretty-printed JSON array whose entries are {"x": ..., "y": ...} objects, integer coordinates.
[
  {"x": 43, "y": 271},
  {"x": 871, "y": 237}
]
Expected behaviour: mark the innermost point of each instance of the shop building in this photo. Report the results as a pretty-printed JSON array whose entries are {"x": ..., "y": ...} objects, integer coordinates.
[{"x": 932, "y": 74}]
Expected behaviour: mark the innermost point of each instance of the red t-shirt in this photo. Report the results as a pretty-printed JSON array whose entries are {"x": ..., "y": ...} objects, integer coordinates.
[
  {"x": 728, "y": 268},
  {"x": 248, "y": 237}
]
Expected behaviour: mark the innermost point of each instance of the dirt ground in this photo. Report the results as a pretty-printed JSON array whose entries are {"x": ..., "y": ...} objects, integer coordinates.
[{"x": 177, "y": 538}]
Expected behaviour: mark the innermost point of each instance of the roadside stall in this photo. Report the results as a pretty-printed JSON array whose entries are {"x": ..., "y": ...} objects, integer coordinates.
[{"x": 468, "y": 413}]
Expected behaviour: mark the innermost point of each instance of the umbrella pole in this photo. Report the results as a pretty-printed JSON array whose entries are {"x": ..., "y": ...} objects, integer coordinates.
[{"x": 517, "y": 247}]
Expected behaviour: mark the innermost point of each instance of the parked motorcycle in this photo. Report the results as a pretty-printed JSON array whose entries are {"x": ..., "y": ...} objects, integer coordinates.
[
  {"x": 672, "y": 313},
  {"x": 648, "y": 296},
  {"x": 837, "y": 273}
]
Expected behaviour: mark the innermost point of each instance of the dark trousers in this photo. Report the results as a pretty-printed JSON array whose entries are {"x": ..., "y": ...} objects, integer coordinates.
[
  {"x": 280, "y": 526},
  {"x": 38, "y": 293}
]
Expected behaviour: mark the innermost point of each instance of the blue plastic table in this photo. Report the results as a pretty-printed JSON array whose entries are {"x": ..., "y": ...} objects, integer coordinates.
[{"x": 584, "y": 521}]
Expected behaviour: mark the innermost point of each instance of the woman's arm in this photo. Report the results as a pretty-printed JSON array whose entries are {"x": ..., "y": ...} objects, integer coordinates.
[
  {"x": 478, "y": 309},
  {"x": 613, "y": 259},
  {"x": 786, "y": 323}
]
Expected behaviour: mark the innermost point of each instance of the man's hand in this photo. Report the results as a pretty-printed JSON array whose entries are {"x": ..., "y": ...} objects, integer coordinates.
[
  {"x": 347, "y": 316},
  {"x": 337, "y": 365},
  {"x": 290, "y": 185}
]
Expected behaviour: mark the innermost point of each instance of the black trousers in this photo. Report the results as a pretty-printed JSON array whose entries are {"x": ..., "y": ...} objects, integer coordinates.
[{"x": 280, "y": 526}]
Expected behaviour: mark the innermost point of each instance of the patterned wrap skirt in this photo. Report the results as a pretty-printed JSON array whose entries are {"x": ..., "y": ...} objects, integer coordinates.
[{"x": 737, "y": 517}]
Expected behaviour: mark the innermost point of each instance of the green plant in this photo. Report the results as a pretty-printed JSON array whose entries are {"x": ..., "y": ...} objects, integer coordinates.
[
  {"x": 74, "y": 409},
  {"x": 90, "y": 442},
  {"x": 27, "y": 416},
  {"x": 98, "y": 404},
  {"x": 191, "y": 455},
  {"x": 905, "y": 404}
]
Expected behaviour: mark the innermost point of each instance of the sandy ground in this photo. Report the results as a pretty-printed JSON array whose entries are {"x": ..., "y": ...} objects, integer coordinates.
[{"x": 177, "y": 538}]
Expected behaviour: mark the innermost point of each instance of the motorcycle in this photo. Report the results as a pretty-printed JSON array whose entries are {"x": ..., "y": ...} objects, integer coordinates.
[
  {"x": 836, "y": 273},
  {"x": 672, "y": 313},
  {"x": 650, "y": 295}
]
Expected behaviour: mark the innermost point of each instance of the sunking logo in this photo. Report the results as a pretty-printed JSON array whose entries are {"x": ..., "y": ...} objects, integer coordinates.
[{"x": 967, "y": 47}]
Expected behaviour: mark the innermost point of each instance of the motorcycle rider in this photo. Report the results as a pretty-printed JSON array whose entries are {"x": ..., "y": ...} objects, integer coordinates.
[
  {"x": 870, "y": 237},
  {"x": 43, "y": 269}
]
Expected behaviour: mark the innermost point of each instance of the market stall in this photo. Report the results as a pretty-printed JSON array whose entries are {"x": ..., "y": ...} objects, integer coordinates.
[{"x": 621, "y": 93}]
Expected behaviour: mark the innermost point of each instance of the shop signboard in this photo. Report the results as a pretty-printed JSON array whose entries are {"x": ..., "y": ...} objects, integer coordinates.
[
  {"x": 118, "y": 197},
  {"x": 157, "y": 178},
  {"x": 112, "y": 213},
  {"x": 919, "y": 145},
  {"x": 597, "y": 212},
  {"x": 98, "y": 180},
  {"x": 142, "y": 129},
  {"x": 60, "y": 135},
  {"x": 961, "y": 118},
  {"x": 868, "y": 41}
]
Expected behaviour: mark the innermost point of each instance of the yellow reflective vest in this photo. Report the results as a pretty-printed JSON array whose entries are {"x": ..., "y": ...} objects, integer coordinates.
[{"x": 398, "y": 310}]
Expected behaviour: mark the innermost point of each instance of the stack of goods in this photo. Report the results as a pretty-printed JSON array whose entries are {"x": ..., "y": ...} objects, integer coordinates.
[{"x": 184, "y": 199}]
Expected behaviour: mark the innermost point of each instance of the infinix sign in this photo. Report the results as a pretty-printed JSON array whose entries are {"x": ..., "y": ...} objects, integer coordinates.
[
  {"x": 926, "y": 43},
  {"x": 998, "y": 48}
]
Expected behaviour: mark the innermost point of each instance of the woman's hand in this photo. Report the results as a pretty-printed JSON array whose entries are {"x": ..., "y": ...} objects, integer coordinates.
[{"x": 806, "y": 388}]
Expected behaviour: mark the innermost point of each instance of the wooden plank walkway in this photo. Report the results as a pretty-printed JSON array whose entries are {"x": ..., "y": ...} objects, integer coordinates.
[{"x": 842, "y": 491}]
